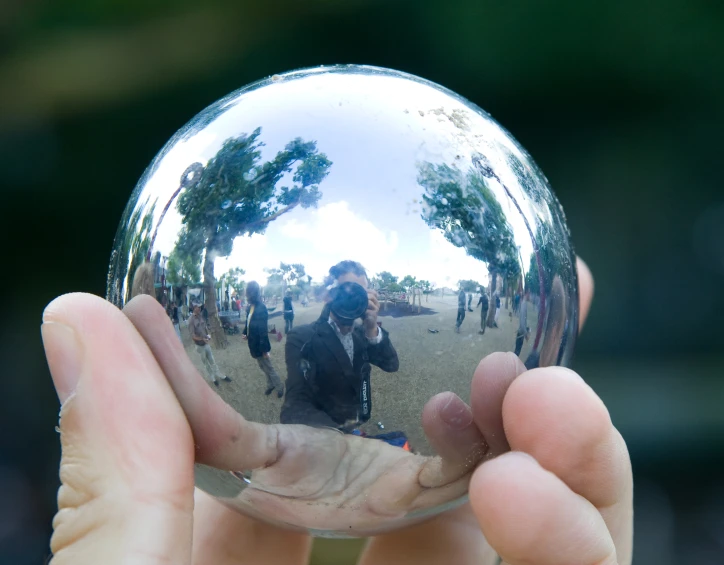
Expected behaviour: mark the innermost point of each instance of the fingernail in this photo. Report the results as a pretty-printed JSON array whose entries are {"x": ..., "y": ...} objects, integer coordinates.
[
  {"x": 64, "y": 353},
  {"x": 455, "y": 413}
]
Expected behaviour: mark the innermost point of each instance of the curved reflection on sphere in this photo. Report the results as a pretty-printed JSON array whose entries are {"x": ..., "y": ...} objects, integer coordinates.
[{"x": 335, "y": 247}]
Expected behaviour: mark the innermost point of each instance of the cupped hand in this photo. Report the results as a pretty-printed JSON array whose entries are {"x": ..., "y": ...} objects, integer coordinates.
[
  {"x": 128, "y": 452},
  {"x": 311, "y": 477}
]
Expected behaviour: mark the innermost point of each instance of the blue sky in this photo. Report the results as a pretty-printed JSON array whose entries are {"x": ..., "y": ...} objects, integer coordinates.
[{"x": 376, "y": 130}]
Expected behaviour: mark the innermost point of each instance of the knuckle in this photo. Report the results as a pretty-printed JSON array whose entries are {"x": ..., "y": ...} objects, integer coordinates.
[
  {"x": 81, "y": 509},
  {"x": 80, "y": 506}
]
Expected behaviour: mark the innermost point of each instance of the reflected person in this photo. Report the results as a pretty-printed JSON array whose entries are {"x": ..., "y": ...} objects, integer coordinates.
[
  {"x": 201, "y": 338},
  {"x": 485, "y": 303},
  {"x": 174, "y": 315},
  {"x": 592, "y": 456},
  {"x": 461, "y": 310},
  {"x": 329, "y": 361},
  {"x": 288, "y": 312},
  {"x": 256, "y": 333}
]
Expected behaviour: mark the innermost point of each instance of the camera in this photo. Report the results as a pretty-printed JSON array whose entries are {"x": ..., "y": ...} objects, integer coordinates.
[{"x": 349, "y": 302}]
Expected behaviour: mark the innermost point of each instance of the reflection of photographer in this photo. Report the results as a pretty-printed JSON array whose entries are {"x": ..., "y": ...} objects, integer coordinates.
[{"x": 329, "y": 361}]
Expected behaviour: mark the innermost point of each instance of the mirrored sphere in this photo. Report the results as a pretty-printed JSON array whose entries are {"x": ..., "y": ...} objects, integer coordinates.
[{"x": 336, "y": 249}]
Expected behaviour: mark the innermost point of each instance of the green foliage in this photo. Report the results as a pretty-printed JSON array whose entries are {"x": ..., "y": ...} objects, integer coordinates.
[
  {"x": 233, "y": 278},
  {"x": 284, "y": 277},
  {"x": 426, "y": 286},
  {"x": 408, "y": 282},
  {"x": 303, "y": 285},
  {"x": 469, "y": 285},
  {"x": 237, "y": 195},
  {"x": 555, "y": 259},
  {"x": 385, "y": 279},
  {"x": 183, "y": 269},
  {"x": 387, "y": 282},
  {"x": 469, "y": 215},
  {"x": 292, "y": 272}
]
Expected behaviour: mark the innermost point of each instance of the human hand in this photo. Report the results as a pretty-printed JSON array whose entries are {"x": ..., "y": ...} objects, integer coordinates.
[
  {"x": 224, "y": 439},
  {"x": 317, "y": 477},
  {"x": 373, "y": 308},
  {"x": 561, "y": 495}
]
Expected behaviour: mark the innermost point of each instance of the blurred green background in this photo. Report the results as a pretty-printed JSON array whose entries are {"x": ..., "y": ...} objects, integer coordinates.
[{"x": 620, "y": 103}]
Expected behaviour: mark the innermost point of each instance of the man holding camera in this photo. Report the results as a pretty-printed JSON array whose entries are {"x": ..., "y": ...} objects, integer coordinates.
[{"x": 329, "y": 361}]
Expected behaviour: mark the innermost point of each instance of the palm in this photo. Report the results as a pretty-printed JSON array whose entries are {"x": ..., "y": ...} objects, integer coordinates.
[{"x": 326, "y": 480}]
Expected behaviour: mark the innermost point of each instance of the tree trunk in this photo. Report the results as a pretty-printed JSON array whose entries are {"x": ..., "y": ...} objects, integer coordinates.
[
  {"x": 218, "y": 337},
  {"x": 490, "y": 320}
]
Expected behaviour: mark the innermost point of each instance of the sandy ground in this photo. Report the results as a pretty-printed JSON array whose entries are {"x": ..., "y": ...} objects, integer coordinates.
[{"x": 430, "y": 363}]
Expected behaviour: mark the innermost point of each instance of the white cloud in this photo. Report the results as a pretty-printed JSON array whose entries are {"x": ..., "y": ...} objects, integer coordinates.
[
  {"x": 251, "y": 254},
  {"x": 447, "y": 264},
  {"x": 335, "y": 232},
  {"x": 319, "y": 238}
]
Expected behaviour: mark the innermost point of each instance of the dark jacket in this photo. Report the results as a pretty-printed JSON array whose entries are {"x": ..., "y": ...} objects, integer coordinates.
[
  {"x": 484, "y": 301},
  {"x": 323, "y": 388},
  {"x": 257, "y": 332},
  {"x": 461, "y": 299},
  {"x": 288, "y": 308}
]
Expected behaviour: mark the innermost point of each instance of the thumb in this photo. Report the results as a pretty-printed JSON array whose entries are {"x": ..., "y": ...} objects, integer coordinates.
[{"x": 126, "y": 470}]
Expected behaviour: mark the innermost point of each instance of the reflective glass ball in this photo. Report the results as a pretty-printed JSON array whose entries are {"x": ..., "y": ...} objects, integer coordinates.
[{"x": 335, "y": 247}]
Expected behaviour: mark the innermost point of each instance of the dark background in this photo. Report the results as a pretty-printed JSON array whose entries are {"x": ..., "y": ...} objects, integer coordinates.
[{"x": 621, "y": 104}]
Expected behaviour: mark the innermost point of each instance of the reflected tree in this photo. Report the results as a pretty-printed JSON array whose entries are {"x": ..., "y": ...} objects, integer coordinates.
[
  {"x": 469, "y": 215},
  {"x": 237, "y": 194},
  {"x": 288, "y": 274},
  {"x": 183, "y": 270},
  {"x": 551, "y": 255},
  {"x": 426, "y": 286},
  {"x": 233, "y": 278},
  {"x": 408, "y": 282},
  {"x": 469, "y": 285},
  {"x": 556, "y": 260},
  {"x": 386, "y": 282},
  {"x": 487, "y": 171},
  {"x": 303, "y": 286},
  {"x": 281, "y": 279}
]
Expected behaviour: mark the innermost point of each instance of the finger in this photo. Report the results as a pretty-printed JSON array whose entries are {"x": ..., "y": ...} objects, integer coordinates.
[
  {"x": 224, "y": 537},
  {"x": 530, "y": 516},
  {"x": 553, "y": 415},
  {"x": 490, "y": 383},
  {"x": 452, "y": 433},
  {"x": 585, "y": 290},
  {"x": 453, "y": 537},
  {"x": 126, "y": 470},
  {"x": 224, "y": 439}
]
